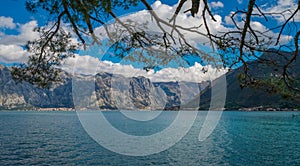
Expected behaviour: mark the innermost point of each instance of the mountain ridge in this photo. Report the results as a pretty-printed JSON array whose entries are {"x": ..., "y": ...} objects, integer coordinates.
[
  {"x": 139, "y": 93},
  {"x": 257, "y": 98}
]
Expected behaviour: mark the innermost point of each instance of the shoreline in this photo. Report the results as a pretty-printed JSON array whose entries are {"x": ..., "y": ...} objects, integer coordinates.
[{"x": 243, "y": 109}]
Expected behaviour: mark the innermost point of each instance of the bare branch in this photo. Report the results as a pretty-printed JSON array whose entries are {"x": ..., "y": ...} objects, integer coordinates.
[
  {"x": 246, "y": 26},
  {"x": 75, "y": 27},
  {"x": 296, "y": 53},
  {"x": 181, "y": 3},
  {"x": 57, "y": 24},
  {"x": 286, "y": 22}
]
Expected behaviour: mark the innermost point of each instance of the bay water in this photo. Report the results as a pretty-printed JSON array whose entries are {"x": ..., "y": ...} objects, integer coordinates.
[{"x": 240, "y": 138}]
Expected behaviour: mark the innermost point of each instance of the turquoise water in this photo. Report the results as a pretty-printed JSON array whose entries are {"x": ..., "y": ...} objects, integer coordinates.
[{"x": 241, "y": 138}]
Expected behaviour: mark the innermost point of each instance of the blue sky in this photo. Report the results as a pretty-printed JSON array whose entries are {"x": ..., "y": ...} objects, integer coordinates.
[
  {"x": 16, "y": 23},
  {"x": 16, "y": 10}
]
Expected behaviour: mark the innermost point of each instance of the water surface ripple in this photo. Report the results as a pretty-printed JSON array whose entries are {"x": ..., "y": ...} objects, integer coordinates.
[{"x": 241, "y": 138}]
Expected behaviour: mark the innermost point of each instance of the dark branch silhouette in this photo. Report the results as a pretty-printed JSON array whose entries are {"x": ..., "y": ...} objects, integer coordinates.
[{"x": 242, "y": 41}]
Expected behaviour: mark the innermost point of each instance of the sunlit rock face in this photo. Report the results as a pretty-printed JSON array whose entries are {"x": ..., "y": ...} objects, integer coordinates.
[
  {"x": 111, "y": 92},
  {"x": 117, "y": 92}
]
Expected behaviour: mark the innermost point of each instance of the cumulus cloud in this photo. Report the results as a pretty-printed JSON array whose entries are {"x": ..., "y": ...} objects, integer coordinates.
[
  {"x": 90, "y": 65},
  {"x": 228, "y": 20},
  {"x": 262, "y": 28},
  {"x": 11, "y": 50},
  {"x": 26, "y": 33},
  {"x": 216, "y": 5},
  {"x": 222, "y": 24},
  {"x": 12, "y": 54},
  {"x": 11, "y": 46},
  {"x": 194, "y": 73},
  {"x": 286, "y": 7},
  {"x": 166, "y": 12},
  {"x": 7, "y": 22},
  {"x": 259, "y": 27},
  {"x": 85, "y": 64}
]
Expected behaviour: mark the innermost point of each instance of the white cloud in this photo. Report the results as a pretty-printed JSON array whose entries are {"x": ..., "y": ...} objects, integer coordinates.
[
  {"x": 269, "y": 37},
  {"x": 194, "y": 73},
  {"x": 91, "y": 65},
  {"x": 289, "y": 6},
  {"x": 228, "y": 20},
  {"x": 157, "y": 5},
  {"x": 11, "y": 50},
  {"x": 262, "y": 28},
  {"x": 183, "y": 19},
  {"x": 7, "y": 22},
  {"x": 26, "y": 33},
  {"x": 11, "y": 46},
  {"x": 216, "y": 5},
  {"x": 12, "y": 54}
]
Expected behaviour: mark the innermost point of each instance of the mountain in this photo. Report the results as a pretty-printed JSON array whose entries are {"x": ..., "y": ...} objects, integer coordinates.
[
  {"x": 15, "y": 95},
  {"x": 110, "y": 92},
  {"x": 118, "y": 92},
  {"x": 248, "y": 98}
]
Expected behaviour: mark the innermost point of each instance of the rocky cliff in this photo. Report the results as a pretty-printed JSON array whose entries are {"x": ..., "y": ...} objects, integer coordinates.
[
  {"x": 118, "y": 92},
  {"x": 111, "y": 92}
]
